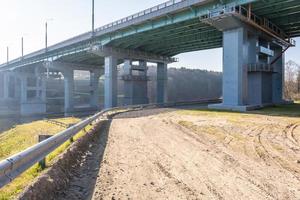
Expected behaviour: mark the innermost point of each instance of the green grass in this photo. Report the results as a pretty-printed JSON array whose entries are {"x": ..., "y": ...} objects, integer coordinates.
[
  {"x": 22, "y": 137},
  {"x": 292, "y": 110}
]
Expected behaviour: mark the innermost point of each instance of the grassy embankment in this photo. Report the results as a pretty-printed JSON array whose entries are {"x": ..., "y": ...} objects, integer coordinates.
[{"x": 23, "y": 136}]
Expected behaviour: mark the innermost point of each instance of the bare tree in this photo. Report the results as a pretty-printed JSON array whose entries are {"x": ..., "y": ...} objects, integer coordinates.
[{"x": 292, "y": 80}]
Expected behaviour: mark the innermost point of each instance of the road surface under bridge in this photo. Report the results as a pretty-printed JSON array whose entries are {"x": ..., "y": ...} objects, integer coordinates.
[{"x": 254, "y": 35}]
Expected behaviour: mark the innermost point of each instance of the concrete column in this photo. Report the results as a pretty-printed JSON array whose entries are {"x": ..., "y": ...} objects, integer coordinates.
[
  {"x": 23, "y": 89},
  {"x": 161, "y": 85},
  {"x": 135, "y": 83},
  {"x": 278, "y": 77},
  {"x": 95, "y": 92},
  {"x": 43, "y": 89},
  {"x": 235, "y": 67},
  {"x": 1, "y": 85},
  {"x": 127, "y": 67},
  {"x": 69, "y": 90},
  {"x": 6, "y": 85},
  {"x": 141, "y": 86},
  {"x": 254, "y": 78},
  {"x": 111, "y": 82}
]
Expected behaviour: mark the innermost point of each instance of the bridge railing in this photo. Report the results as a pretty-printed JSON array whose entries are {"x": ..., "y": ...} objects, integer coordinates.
[
  {"x": 140, "y": 14},
  {"x": 15, "y": 165}
]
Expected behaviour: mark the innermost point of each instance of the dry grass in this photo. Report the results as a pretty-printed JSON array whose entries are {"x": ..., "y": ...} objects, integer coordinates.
[{"x": 22, "y": 137}]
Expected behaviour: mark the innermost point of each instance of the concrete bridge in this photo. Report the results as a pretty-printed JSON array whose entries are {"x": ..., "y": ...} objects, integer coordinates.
[{"x": 254, "y": 35}]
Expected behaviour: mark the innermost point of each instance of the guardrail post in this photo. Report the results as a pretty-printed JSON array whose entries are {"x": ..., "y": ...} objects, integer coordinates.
[{"x": 42, "y": 162}]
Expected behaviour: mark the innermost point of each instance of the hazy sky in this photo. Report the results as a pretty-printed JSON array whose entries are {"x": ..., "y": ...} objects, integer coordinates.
[{"x": 71, "y": 17}]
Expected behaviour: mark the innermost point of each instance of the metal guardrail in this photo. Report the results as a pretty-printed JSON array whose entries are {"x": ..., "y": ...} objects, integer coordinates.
[{"x": 15, "y": 165}]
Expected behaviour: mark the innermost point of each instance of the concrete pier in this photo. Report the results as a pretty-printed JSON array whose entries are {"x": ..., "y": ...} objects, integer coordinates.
[
  {"x": 69, "y": 90},
  {"x": 94, "y": 88},
  {"x": 33, "y": 94},
  {"x": 135, "y": 83},
  {"x": 162, "y": 81},
  {"x": 111, "y": 82},
  {"x": 250, "y": 80}
]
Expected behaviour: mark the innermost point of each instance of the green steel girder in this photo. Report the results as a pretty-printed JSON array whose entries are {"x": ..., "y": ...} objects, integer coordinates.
[
  {"x": 183, "y": 39},
  {"x": 277, "y": 7},
  {"x": 204, "y": 44},
  {"x": 285, "y": 14},
  {"x": 167, "y": 49},
  {"x": 153, "y": 40},
  {"x": 167, "y": 32},
  {"x": 195, "y": 13},
  {"x": 190, "y": 49}
]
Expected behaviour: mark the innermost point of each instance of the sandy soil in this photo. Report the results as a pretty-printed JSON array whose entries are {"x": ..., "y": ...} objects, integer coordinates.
[{"x": 190, "y": 155}]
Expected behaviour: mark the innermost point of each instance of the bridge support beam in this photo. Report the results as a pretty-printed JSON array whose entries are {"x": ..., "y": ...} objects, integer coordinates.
[
  {"x": 111, "y": 82},
  {"x": 161, "y": 84},
  {"x": 135, "y": 83}
]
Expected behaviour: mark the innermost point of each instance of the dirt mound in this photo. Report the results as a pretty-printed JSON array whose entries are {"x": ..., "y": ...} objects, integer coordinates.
[{"x": 53, "y": 183}]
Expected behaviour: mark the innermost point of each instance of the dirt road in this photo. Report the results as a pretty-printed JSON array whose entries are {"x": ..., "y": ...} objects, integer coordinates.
[
  {"x": 182, "y": 155},
  {"x": 179, "y": 154}
]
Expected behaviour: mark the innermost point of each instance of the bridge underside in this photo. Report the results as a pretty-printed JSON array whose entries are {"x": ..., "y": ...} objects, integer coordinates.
[
  {"x": 285, "y": 14},
  {"x": 187, "y": 36}
]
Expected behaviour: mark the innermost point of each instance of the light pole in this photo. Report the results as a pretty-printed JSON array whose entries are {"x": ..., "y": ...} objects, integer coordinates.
[
  {"x": 46, "y": 33},
  {"x": 22, "y": 46},
  {"x": 93, "y": 17},
  {"x": 7, "y": 55}
]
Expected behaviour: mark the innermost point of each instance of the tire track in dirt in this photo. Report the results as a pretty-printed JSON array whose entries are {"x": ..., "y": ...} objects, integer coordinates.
[
  {"x": 229, "y": 162},
  {"x": 191, "y": 193},
  {"x": 289, "y": 133},
  {"x": 270, "y": 154},
  {"x": 195, "y": 163}
]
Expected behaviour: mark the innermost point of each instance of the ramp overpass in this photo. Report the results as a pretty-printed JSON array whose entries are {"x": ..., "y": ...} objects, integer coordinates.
[{"x": 254, "y": 35}]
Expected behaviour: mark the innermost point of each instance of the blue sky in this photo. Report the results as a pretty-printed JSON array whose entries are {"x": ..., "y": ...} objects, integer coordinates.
[{"x": 69, "y": 18}]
